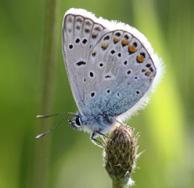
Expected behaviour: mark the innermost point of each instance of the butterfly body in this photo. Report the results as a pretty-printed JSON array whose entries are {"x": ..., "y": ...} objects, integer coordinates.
[
  {"x": 96, "y": 124},
  {"x": 111, "y": 68}
]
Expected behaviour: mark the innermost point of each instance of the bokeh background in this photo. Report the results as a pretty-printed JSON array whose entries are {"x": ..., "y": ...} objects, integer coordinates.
[{"x": 33, "y": 80}]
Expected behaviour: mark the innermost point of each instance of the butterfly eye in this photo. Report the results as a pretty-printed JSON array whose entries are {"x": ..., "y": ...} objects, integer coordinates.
[{"x": 77, "y": 121}]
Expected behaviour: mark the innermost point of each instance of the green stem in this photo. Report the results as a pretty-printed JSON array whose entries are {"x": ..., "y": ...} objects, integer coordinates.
[
  {"x": 116, "y": 184},
  {"x": 40, "y": 174}
]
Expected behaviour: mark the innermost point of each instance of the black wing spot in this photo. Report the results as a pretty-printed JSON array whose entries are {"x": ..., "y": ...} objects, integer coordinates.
[
  {"x": 143, "y": 70},
  {"x": 88, "y": 23},
  {"x": 112, "y": 51},
  {"x": 137, "y": 92},
  {"x": 79, "y": 63},
  {"x": 70, "y": 20},
  {"x": 118, "y": 94},
  {"x": 118, "y": 34},
  {"x": 78, "y": 27},
  {"x": 91, "y": 74},
  {"x": 135, "y": 77},
  {"x": 79, "y": 20},
  {"x": 129, "y": 72},
  {"x": 151, "y": 69},
  {"x": 148, "y": 65},
  {"x": 126, "y": 36},
  {"x": 101, "y": 64},
  {"x": 92, "y": 94},
  {"x": 119, "y": 54},
  {"x": 143, "y": 54},
  {"x": 97, "y": 28},
  {"x": 135, "y": 44},
  {"x": 108, "y": 91},
  {"x": 94, "y": 36},
  {"x": 93, "y": 54},
  {"x": 84, "y": 41},
  {"x": 107, "y": 37},
  {"x": 77, "y": 40},
  {"x": 70, "y": 46},
  {"x": 87, "y": 30},
  {"x": 107, "y": 76},
  {"x": 125, "y": 62}
]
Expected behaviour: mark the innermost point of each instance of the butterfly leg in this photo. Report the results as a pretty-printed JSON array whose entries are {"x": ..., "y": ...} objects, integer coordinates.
[
  {"x": 101, "y": 134},
  {"x": 95, "y": 141}
]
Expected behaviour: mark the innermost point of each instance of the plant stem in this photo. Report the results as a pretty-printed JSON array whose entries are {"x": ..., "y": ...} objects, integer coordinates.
[
  {"x": 40, "y": 176},
  {"x": 117, "y": 185}
]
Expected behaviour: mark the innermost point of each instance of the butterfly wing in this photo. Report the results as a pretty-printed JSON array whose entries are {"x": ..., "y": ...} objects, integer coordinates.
[
  {"x": 113, "y": 70},
  {"x": 80, "y": 34}
]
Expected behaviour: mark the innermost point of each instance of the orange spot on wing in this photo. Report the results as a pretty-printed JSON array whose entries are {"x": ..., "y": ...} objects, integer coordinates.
[
  {"x": 140, "y": 58},
  {"x": 104, "y": 45},
  {"x": 124, "y": 42},
  {"x": 115, "y": 40},
  {"x": 132, "y": 48}
]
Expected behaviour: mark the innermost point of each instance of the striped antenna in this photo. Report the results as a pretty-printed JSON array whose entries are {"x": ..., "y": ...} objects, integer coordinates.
[{"x": 40, "y": 116}]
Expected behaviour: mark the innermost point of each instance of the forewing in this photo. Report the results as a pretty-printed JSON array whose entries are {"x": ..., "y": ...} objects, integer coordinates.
[{"x": 80, "y": 34}]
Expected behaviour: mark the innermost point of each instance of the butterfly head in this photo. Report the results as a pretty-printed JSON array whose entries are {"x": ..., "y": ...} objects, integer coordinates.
[{"x": 76, "y": 122}]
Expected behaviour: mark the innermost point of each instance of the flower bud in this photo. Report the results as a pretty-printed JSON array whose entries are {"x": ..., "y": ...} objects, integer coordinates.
[{"x": 120, "y": 155}]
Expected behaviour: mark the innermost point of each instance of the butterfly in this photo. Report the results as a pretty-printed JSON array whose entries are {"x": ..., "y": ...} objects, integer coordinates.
[{"x": 111, "y": 69}]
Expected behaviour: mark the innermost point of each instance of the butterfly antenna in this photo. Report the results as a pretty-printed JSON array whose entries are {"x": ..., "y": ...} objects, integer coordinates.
[
  {"x": 72, "y": 113},
  {"x": 43, "y": 134},
  {"x": 41, "y": 116}
]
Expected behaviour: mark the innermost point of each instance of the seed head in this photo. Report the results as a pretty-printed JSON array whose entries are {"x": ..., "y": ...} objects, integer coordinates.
[{"x": 120, "y": 154}]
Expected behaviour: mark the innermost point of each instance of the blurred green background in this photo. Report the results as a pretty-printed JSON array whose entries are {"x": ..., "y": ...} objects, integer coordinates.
[{"x": 31, "y": 83}]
